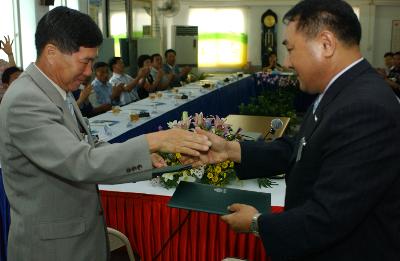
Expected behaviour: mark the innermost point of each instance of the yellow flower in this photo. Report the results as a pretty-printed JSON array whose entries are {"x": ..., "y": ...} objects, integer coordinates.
[
  {"x": 231, "y": 164},
  {"x": 210, "y": 175},
  {"x": 217, "y": 169},
  {"x": 225, "y": 165},
  {"x": 178, "y": 155},
  {"x": 215, "y": 179}
]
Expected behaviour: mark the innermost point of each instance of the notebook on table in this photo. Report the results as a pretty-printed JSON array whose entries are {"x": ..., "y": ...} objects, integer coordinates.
[{"x": 212, "y": 199}]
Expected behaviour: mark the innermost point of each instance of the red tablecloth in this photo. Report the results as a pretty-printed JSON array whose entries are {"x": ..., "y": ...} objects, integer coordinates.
[{"x": 148, "y": 222}]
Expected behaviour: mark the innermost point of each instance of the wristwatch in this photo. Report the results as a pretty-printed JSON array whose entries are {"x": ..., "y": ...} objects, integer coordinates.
[{"x": 254, "y": 224}]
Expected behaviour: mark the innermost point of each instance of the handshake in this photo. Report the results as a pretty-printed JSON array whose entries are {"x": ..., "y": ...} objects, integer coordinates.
[
  {"x": 197, "y": 148},
  {"x": 200, "y": 148}
]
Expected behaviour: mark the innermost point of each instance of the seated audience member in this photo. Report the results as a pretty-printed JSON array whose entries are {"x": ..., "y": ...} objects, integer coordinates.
[
  {"x": 393, "y": 78},
  {"x": 144, "y": 61},
  {"x": 273, "y": 63},
  {"x": 158, "y": 79},
  {"x": 81, "y": 96},
  {"x": 105, "y": 93},
  {"x": 129, "y": 89},
  {"x": 171, "y": 67},
  {"x": 9, "y": 75},
  {"x": 388, "y": 59}
]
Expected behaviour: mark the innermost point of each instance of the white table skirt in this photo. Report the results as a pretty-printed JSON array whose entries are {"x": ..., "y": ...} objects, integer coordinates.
[{"x": 146, "y": 187}]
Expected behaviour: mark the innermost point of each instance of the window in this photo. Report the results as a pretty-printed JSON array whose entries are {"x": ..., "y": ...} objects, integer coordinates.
[
  {"x": 117, "y": 23},
  {"x": 222, "y": 37}
]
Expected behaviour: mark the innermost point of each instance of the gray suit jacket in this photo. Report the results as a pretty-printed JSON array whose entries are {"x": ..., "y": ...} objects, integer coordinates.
[{"x": 50, "y": 174}]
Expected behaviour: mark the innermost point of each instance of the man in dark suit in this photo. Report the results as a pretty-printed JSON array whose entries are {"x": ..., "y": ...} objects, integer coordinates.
[{"x": 342, "y": 170}]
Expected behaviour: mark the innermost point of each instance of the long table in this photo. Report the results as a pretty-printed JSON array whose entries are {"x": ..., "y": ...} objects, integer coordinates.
[
  {"x": 224, "y": 100},
  {"x": 139, "y": 210}
]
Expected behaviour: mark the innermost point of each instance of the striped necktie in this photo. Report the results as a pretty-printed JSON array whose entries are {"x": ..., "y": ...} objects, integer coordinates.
[{"x": 69, "y": 101}]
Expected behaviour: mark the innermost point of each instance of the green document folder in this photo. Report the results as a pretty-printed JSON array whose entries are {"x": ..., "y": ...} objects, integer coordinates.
[{"x": 212, "y": 199}]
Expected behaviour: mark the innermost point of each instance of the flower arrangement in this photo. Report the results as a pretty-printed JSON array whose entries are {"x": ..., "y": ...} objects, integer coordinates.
[
  {"x": 276, "y": 80},
  {"x": 219, "y": 174}
]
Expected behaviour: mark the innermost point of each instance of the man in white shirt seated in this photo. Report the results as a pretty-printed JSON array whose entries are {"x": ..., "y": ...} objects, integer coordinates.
[
  {"x": 159, "y": 80},
  {"x": 122, "y": 80},
  {"x": 105, "y": 93},
  {"x": 170, "y": 66}
]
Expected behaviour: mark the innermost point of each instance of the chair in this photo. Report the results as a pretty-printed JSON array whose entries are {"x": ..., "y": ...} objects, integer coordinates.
[
  {"x": 259, "y": 124},
  {"x": 117, "y": 240}
]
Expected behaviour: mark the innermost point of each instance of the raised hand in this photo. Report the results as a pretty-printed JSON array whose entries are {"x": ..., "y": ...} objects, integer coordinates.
[
  {"x": 6, "y": 45},
  {"x": 241, "y": 217}
]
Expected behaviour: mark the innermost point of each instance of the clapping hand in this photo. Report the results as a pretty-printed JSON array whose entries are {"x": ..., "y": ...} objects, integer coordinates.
[
  {"x": 170, "y": 76},
  {"x": 143, "y": 72},
  {"x": 160, "y": 74},
  {"x": 86, "y": 92},
  {"x": 186, "y": 70}
]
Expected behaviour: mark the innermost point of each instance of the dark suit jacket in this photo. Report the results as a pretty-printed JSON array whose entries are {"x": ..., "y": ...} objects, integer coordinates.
[{"x": 343, "y": 195}]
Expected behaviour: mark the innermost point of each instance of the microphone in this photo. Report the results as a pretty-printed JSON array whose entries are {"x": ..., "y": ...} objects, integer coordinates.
[{"x": 276, "y": 124}]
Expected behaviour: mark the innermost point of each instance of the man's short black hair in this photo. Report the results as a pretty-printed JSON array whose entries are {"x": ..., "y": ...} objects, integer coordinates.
[
  {"x": 142, "y": 58},
  {"x": 67, "y": 29},
  {"x": 396, "y": 53},
  {"x": 98, "y": 65},
  {"x": 5, "y": 78},
  {"x": 388, "y": 54},
  {"x": 335, "y": 15},
  {"x": 154, "y": 55},
  {"x": 113, "y": 61},
  {"x": 169, "y": 51}
]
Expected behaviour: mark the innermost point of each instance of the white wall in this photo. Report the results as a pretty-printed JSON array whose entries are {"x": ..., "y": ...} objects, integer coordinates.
[
  {"x": 375, "y": 19},
  {"x": 382, "y": 39},
  {"x": 255, "y": 29},
  {"x": 30, "y": 14}
]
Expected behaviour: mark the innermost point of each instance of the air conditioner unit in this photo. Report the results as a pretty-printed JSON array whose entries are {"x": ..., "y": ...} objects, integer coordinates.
[{"x": 185, "y": 43}]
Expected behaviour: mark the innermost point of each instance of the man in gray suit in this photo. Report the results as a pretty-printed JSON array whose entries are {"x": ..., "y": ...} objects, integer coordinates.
[{"x": 50, "y": 163}]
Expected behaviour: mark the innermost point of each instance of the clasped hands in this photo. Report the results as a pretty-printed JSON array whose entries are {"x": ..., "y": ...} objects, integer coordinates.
[{"x": 200, "y": 148}]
